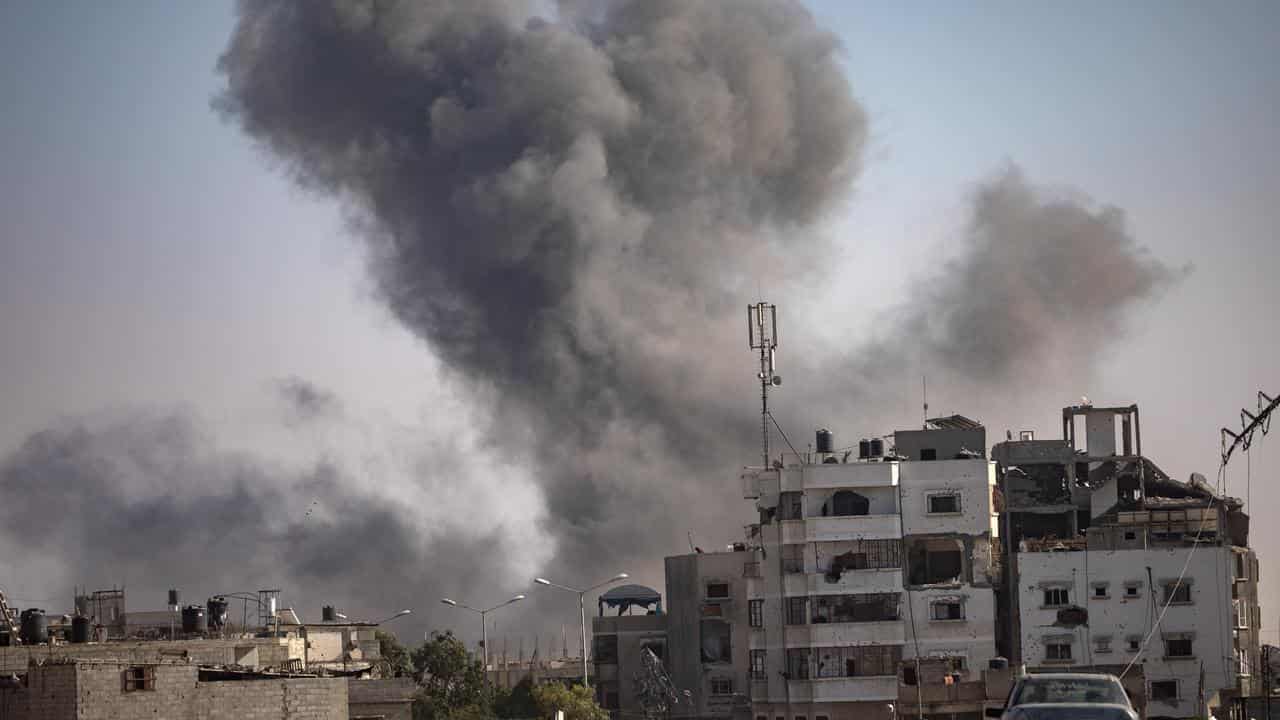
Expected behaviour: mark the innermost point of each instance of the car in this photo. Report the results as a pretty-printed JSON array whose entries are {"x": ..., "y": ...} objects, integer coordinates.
[{"x": 1066, "y": 696}]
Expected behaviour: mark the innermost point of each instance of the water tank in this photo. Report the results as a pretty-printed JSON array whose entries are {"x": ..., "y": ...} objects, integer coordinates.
[
  {"x": 877, "y": 447},
  {"x": 998, "y": 663},
  {"x": 193, "y": 620},
  {"x": 79, "y": 629},
  {"x": 826, "y": 442},
  {"x": 328, "y": 614},
  {"x": 864, "y": 448},
  {"x": 217, "y": 612},
  {"x": 34, "y": 628},
  {"x": 175, "y": 599}
]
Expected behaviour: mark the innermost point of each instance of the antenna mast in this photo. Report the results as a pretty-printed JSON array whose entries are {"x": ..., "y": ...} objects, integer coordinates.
[{"x": 762, "y": 335}]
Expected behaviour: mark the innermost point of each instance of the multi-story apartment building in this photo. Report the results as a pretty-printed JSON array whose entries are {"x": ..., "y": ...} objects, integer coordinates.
[
  {"x": 1116, "y": 566},
  {"x": 708, "y": 633},
  {"x": 859, "y": 564},
  {"x": 619, "y": 642}
]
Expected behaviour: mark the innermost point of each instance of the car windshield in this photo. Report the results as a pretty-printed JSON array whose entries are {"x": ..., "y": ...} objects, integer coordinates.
[{"x": 1070, "y": 690}]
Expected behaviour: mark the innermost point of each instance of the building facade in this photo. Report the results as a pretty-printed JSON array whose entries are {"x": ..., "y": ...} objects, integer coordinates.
[
  {"x": 708, "y": 633},
  {"x": 619, "y": 642},
  {"x": 1116, "y": 566},
  {"x": 860, "y": 564}
]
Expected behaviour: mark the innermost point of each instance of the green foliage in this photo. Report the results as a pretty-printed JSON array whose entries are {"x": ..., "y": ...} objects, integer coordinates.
[
  {"x": 517, "y": 702},
  {"x": 452, "y": 683},
  {"x": 395, "y": 660},
  {"x": 578, "y": 702}
]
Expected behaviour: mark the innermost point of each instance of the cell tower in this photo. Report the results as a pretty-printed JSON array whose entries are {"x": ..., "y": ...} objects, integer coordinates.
[{"x": 762, "y": 335}]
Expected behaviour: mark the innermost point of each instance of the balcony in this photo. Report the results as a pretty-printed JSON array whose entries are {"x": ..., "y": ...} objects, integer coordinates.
[
  {"x": 882, "y": 632},
  {"x": 862, "y": 581},
  {"x": 848, "y": 527},
  {"x": 876, "y": 688},
  {"x": 876, "y": 474}
]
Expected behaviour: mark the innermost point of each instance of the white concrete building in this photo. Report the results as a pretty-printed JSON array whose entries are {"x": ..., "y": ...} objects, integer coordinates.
[
  {"x": 1188, "y": 656},
  {"x": 858, "y": 563}
]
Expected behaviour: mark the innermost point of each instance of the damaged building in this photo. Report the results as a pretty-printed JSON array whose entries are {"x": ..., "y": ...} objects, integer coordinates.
[
  {"x": 862, "y": 562},
  {"x": 1116, "y": 565}
]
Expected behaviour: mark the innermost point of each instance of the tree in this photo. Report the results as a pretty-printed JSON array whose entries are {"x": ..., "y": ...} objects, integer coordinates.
[
  {"x": 517, "y": 702},
  {"x": 395, "y": 661},
  {"x": 451, "y": 680},
  {"x": 578, "y": 702}
]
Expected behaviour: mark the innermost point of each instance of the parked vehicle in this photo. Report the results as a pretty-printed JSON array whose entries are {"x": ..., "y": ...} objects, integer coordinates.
[{"x": 1066, "y": 696}]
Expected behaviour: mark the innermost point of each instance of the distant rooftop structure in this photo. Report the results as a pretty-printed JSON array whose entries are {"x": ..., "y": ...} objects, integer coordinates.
[
  {"x": 952, "y": 422},
  {"x": 625, "y": 597}
]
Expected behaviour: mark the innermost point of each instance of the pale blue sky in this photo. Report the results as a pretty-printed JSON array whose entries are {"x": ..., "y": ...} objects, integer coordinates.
[{"x": 148, "y": 255}]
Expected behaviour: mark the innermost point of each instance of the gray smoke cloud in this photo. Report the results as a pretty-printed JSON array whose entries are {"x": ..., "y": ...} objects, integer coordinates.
[
  {"x": 570, "y": 211},
  {"x": 304, "y": 401}
]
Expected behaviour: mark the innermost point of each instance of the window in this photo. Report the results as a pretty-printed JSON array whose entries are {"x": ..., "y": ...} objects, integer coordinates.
[
  {"x": 798, "y": 663},
  {"x": 716, "y": 643},
  {"x": 858, "y": 661},
  {"x": 755, "y": 613},
  {"x": 721, "y": 685},
  {"x": 757, "y": 665},
  {"x": 1164, "y": 690},
  {"x": 944, "y": 504},
  {"x": 928, "y": 453},
  {"x": 140, "y": 677},
  {"x": 1130, "y": 535},
  {"x": 869, "y": 607},
  {"x": 1055, "y": 597},
  {"x": 1101, "y": 590},
  {"x": 1177, "y": 645},
  {"x": 946, "y": 610},
  {"x": 657, "y": 647},
  {"x": 819, "y": 717},
  {"x": 1102, "y": 644},
  {"x": 606, "y": 648},
  {"x": 847, "y": 502},
  {"x": 795, "y": 611},
  {"x": 1134, "y": 643},
  {"x": 789, "y": 506},
  {"x": 793, "y": 559},
  {"x": 862, "y": 555},
  {"x": 1133, "y": 590},
  {"x": 717, "y": 590},
  {"x": 1177, "y": 592},
  {"x": 1057, "y": 650}
]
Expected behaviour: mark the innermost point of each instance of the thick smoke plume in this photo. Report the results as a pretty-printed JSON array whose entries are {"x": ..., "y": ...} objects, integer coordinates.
[{"x": 571, "y": 211}]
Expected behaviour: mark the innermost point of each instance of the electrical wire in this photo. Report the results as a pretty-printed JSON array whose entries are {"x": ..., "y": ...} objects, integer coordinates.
[{"x": 784, "y": 435}]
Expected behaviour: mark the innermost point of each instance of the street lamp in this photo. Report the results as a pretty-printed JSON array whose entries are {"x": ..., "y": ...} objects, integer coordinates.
[
  {"x": 484, "y": 626},
  {"x": 582, "y": 611},
  {"x": 400, "y": 614}
]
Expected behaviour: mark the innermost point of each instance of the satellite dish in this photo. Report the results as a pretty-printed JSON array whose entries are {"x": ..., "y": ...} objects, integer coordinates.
[{"x": 777, "y": 380}]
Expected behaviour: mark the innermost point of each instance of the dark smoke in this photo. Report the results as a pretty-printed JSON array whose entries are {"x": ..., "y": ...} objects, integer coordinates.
[
  {"x": 572, "y": 212},
  {"x": 304, "y": 401}
]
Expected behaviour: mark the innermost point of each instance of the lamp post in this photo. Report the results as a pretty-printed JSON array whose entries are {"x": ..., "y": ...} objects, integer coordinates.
[
  {"x": 484, "y": 626},
  {"x": 400, "y": 614},
  {"x": 582, "y": 611}
]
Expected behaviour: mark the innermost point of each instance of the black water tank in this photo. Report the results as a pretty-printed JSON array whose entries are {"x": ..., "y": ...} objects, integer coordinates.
[
  {"x": 217, "y": 612},
  {"x": 998, "y": 663},
  {"x": 877, "y": 447},
  {"x": 193, "y": 620},
  {"x": 34, "y": 628},
  {"x": 826, "y": 441},
  {"x": 864, "y": 448},
  {"x": 175, "y": 598},
  {"x": 328, "y": 614},
  {"x": 79, "y": 629}
]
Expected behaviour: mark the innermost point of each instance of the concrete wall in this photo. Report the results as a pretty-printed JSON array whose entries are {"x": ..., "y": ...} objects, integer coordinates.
[
  {"x": 255, "y": 652},
  {"x": 632, "y": 632},
  {"x": 1120, "y": 618},
  {"x": 946, "y": 443},
  {"x": 50, "y": 694},
  {"x": 972, "y": 480},
  {"x": 389, "y": 698},
  {"x": 688, "y": 607}
]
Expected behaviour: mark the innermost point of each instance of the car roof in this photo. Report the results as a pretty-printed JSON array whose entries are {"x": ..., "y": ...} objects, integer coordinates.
[{"x": 1069, "y": 676}]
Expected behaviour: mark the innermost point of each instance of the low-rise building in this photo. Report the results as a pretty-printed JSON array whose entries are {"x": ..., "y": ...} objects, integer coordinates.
[
  {"x": 708, "y": 633},
  {"x": 620, "y": 641}
]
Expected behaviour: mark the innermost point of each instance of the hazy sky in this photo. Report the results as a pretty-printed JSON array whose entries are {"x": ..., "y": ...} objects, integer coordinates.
[{"x": 150, "y": 257}]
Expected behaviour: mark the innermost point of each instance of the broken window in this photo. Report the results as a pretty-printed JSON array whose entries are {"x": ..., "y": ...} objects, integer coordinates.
[
  {"x": 140, "y": 677},
  {"x": 606, "y": 648},
  {"x": 793, "y": 559},
  {"x": 795, "y": 611},
  {"x": 847, "y": 502},
  {"x": 721, "y": 685},
  {"x": 789, "y": 506},
  {"x": 869, "y": 607},
  {"x": 1057, "y": 649},
  {"x": 716, "y": 646},
  {"x": 1132, "y": 590},
  {"x": 757, "y": 665},
  {"x": 946, "y": 610},
  {"x": 864, "y": 555},
  {"x": 944, "y": 504},
  {"x": 1177, "y": 646},
  {"x": 858, "y": 661},
  {"x": 1134, "y": 642},
  {"x": 755, "y": 613},
  {"x": 1177, "y": 592},
  {"x": 1100, "y": 590},
  {"x": 798, "y": 663},
  {"x": 928, "y": 453},
  {"x": 1164, "y": 690},
  {"x": 657, "y": 647},
  {"x": 935, "y": 561},
  {"x": 1102, "y": 644},
  {"x": 717, "y": 590},
  {"x": 1055, "y": 597}
]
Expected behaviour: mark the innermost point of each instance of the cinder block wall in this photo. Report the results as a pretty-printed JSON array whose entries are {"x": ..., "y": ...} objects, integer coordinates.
[{"x": 50, "y": 694}]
